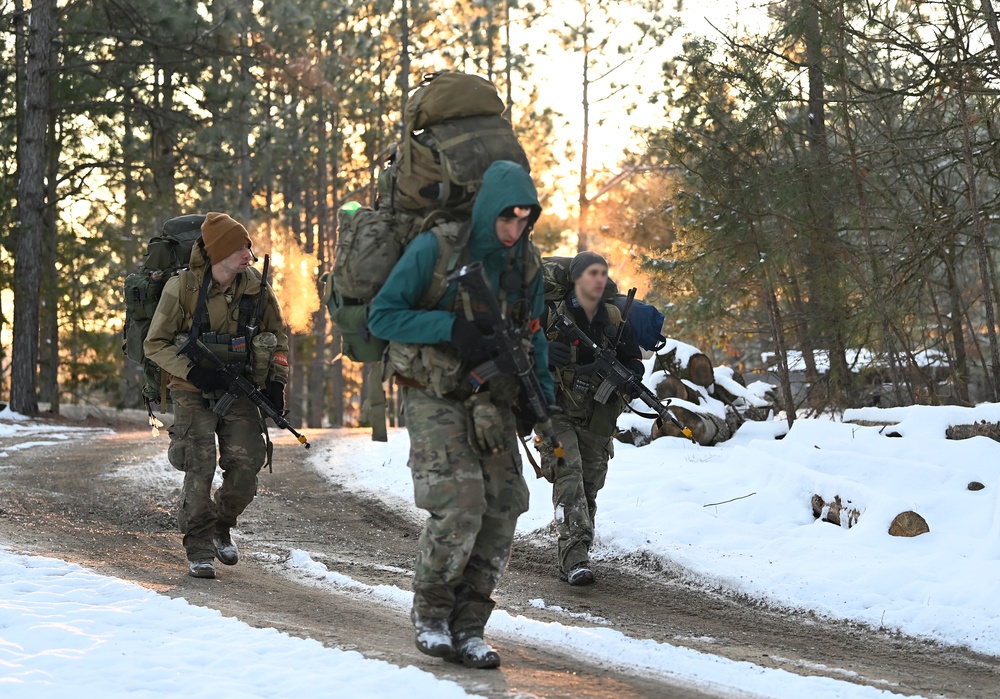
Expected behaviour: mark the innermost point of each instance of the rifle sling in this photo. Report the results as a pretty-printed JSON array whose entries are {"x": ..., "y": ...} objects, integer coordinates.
[
  {"x": 641, "y": 413},
  {"x": 199, "y": 306}
]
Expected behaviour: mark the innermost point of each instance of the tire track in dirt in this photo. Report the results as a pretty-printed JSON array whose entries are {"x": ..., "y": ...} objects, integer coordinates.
[{"x": 60, "y": 501}]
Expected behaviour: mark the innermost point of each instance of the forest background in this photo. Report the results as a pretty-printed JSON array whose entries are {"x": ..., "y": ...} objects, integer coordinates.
[{"x": 805, "y": 187}]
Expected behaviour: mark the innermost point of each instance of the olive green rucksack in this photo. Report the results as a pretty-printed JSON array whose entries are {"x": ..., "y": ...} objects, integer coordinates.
[
  {"x": 453, "y": 131},
  {"x": 454, "y": 128},
  {"x": 369, "y": 244},
  {"x": 167, "y": 253}
]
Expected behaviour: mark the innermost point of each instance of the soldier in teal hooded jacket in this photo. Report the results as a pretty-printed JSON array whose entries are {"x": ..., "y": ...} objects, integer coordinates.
[{"x": 464, "y": 456}]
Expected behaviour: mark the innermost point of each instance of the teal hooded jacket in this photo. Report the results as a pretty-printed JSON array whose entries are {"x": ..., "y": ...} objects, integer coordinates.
[{"x": 395, "y": 314}]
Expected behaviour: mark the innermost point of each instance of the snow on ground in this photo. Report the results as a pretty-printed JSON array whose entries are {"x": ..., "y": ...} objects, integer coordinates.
[
  {"x": 737, "y": 515},
  {"x": 66, "y": 631}
]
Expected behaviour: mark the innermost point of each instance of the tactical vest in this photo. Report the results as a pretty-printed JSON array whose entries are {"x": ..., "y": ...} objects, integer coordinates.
[
  {"x": 437, "y": 368},
  {"x": 575, "y": 392},
  {"x": 230, "y": 347}
]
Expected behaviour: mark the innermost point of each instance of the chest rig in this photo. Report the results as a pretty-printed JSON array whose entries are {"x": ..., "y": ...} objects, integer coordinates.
[
  {"x": 437, "y": 368},
  {"x": 235, "y": 348},
  {"x": 577, "y": 389}
]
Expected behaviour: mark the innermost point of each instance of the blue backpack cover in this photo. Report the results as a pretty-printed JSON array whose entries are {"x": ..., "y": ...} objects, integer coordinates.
[{"x": 646, "y": 321}]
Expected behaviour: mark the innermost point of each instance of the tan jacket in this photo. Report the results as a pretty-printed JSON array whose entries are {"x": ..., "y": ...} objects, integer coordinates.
[{"x": 175, "y": 313}]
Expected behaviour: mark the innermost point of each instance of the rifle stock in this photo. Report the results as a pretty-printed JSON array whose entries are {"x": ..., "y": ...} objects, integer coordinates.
[
  {"x": 239, "y": 386},
  {"x": 511, "y": 357},
  {"x": 617, "y": 377}
]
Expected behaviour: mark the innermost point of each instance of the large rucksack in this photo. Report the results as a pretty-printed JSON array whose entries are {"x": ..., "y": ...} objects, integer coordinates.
[
  {"x": 369, "y": 243},
  {"x": 453, "y": 131},
  {"x": 167, "y": 253}
]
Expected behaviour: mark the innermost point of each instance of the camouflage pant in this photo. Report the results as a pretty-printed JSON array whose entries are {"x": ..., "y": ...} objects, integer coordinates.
[
  {"x": 473, "y": 501},
  {"x": 242, "y": 453},
  {"x": 575, "y": 487}
]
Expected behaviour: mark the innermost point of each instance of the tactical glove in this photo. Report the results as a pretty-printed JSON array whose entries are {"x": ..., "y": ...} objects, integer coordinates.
[
  {"x": 467, "y": 338},
  {"x": 584, "y": 354},
  {"x": 487, "y": 425},
  {"x": 207, "y": 380},
  {"x": 630, "y": 393},
  {"x": 559, "y": 354},
  {"x": 274, "y": 391}
]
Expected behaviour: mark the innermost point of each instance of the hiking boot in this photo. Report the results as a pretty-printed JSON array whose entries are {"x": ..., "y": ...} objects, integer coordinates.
[
  {"x": 225, "y": 549},
  {"x": 473, "y": 652},
  {"x": 433, "y": 637},
  {"x": 204, "y": 568},
  {"x": 579, "y": 574}
]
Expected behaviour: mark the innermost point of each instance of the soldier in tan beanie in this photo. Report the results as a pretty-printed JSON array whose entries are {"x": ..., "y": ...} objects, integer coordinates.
[
  {"x": 221, "y": 280},
  {"x": 222, "y": 236}
]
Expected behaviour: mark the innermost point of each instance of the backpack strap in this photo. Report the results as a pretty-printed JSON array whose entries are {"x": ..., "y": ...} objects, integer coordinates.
[
  {"x": 452, "y": 240},
  {"x": 199, "y": 306},
  {"x": 377, "y": 402}
]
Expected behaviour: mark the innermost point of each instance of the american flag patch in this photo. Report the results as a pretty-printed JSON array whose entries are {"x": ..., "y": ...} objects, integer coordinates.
[
  {"x": 280, "y": 359},
  {"x": 238, "y": 344}
]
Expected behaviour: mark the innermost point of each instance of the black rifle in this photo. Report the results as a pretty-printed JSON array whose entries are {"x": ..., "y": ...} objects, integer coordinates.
[
  {"x": 239, "y": 386},
  {"x": 508, "y": 356},
  {"x": 617, "y": 377}
]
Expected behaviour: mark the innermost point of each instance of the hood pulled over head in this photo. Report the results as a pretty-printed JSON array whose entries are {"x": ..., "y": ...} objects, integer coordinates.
[{"x": 505, "y": 185}]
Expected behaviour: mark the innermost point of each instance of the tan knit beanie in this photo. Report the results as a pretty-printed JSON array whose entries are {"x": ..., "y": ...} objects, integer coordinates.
[{"x": 222, "y": 236}]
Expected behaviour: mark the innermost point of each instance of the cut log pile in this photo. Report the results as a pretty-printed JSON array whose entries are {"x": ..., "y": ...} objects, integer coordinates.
[{"x": 699, "y": 401}]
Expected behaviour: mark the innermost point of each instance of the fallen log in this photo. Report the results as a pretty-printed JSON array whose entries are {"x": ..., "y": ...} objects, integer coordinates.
[
  {"x": 978, "y": 429},
  {"x": 700, "y": 370},
  {"x": 908, "y": 523},
  {"x": 835, "y": 511}
]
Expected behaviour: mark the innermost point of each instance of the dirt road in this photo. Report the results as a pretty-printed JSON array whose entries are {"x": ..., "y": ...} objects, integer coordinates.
[{"x": 64, "y": 500}]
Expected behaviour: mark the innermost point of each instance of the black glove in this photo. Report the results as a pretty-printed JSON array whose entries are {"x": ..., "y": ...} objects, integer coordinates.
[
  {"x": 584, "y": 354},
  {"x": 467, "y": 338},
  {"x": 630, "y": 393},
  {"x": 274, "y": 391},
  {"x": 207, "y": 380},
  {"x": 559, "y": 354}
]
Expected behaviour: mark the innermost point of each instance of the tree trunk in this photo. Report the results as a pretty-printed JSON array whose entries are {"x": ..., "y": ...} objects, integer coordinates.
[
  {"x": 48, "y": 352},
  {"x": 245, "y": 118},
  {"x": 337, "y": 385},
  {"x": 317, "y": 364},
  {"x": 825, "y": 321},
  {"x": 163, "y": 139},
  {"x": 31, "y": 144},
  {"x": 583, "y": 242},
  {"x": 133, "y": 378},
  {"x": 991, "y": 22},
  {"x": 404, "y": 55},
  {"x": 960, "y": 365},
  {"x": 295, "y": 389},
  {"x": 781, "y": 352},
  {"x": 978, "y": 225}
]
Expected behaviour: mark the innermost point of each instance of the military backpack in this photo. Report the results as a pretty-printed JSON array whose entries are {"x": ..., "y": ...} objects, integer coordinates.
[
  {"x": 167, "y": 253},
  {"x": 453, "y": 131}
]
